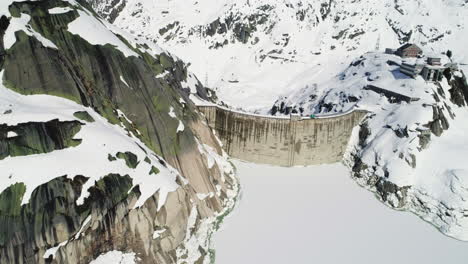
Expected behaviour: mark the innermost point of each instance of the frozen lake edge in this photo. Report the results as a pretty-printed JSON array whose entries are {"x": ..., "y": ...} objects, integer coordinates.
[{"x": 304, "y": 214}]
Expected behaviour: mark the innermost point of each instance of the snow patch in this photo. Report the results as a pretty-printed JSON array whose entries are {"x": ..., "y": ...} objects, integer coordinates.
[
  {"x": 191, "y": 83},
  {"x": 203, "y": 196},
  {"x": 53, "y": 250},
  {"x": 172, "y": 113},
  {"x": 125, "y": 82},
  {"x": 11, "y": 134},
  {"x": 95, "y": 32},
  {"x": 157, "y": 233},
  {"x": 22, "y": 24},
  {"x": 181, "y": 127},
  {"x": 114, "y": 257},
  {"x": 59, "y": 10},
  {"x": 86, "y": 221}
]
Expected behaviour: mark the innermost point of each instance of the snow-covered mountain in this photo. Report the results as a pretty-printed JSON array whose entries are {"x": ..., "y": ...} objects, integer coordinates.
[
  {"x": 104, "y": 156},
  {"x": 410, "y": 148},
  {"x": 252, "y": 51},
  {"x": 320, "y": 57},
  {"x": 101, "y": 149}
]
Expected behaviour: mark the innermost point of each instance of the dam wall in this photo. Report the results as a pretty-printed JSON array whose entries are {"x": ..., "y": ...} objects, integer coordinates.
[{"x": 282, "y": 141}]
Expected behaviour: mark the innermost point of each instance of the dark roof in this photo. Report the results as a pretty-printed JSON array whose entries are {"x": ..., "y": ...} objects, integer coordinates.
[{"x": 408, "y": 45}]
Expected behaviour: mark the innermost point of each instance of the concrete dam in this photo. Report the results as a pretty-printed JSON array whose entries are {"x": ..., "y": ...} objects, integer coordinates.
[{"x": 282, "y": 141}]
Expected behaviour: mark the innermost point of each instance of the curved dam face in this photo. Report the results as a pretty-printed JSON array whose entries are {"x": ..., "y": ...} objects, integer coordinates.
[{"x": 284, "y": 142}]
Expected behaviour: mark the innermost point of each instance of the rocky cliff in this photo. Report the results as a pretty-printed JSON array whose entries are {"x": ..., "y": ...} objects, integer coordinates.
[{"x": 101, "y": 148}]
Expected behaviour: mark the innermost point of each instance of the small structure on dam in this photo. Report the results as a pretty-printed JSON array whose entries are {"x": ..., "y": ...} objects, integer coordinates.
[{"x": 294, "y": 141}]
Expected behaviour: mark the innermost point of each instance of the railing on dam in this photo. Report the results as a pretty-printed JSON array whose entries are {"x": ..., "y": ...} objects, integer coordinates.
[{"x": 282, "y": 141}]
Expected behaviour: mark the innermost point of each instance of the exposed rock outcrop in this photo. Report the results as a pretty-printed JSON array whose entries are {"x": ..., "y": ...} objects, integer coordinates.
[
  {"x": 34, "y": 138},
  {"x": 140, "y": 93}
]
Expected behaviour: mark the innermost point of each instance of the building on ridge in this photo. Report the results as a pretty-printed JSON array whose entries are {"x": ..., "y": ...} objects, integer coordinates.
[
  {"x": 433, "y": 61},
  {"x": 409, "y": 51},
  {"x": 411, "y": 70},
  {"x": 431, "y": 73}
]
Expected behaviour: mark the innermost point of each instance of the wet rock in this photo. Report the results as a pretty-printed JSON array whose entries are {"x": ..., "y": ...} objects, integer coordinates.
[
  {"x": 439, "y": 123},
  {"x": 424, "y": 139},
  {"x": 38, "y": 137},
  {"x": 130, "y": 159},
  {"x": 364, "y": 133},
  {"x": 90, "y": 75},
  {"x": 400, "y": 132},
  {"x": 391, "y": 193},
  {"x": 85, "y": 116},
  {"x": 459, "y": 90},
  {"x": 154, "y": 170}
]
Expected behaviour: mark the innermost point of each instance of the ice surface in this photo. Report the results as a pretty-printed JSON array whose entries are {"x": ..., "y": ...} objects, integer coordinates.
[{"x": 319, "y": 214}]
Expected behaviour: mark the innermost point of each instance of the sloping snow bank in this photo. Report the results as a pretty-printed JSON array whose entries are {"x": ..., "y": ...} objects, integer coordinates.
[
  {"x": 93, "y": 30},
  {"x": 442, "y": 178}
]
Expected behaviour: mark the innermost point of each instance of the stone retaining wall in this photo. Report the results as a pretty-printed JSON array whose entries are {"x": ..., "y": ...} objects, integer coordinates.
[{"x": 285, "y": 142}]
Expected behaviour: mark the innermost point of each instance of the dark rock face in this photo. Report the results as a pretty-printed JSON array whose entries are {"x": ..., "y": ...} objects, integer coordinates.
[
  {"x": 130, "y": 159},
  {"x": 364, "y": 133},
  {"x": 83, "y": 115},
  {"x": 4, "y": 23},
  {"x": 459, "y": 91},
  {"x": 424, "y": 139},
  {"x": 90, "y": 76},
  {"x": 36, "y": 137},
  {"x": 241, "y": 28},
  {"x": 386, "y": 189},
  {"x": 108, "y": 9},
  {"x": 439, "y": 123},
  {"x": 53, "y": 215}
]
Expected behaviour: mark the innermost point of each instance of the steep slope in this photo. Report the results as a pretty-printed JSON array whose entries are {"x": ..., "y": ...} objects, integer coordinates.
[
  {"x": 252, "y": 51},
  {"x": 101, "y": 148},
  {"x": 409, "y": 148}
]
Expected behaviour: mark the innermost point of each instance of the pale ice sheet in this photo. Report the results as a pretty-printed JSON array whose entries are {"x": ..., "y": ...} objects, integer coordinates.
[{"x": 319, "y": 215}]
